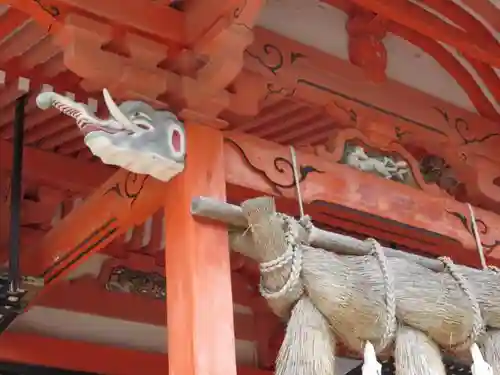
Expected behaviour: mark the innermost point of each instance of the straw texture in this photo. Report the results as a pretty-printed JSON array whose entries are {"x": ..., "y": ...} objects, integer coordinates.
[
  {"x": 416, "y": 354},
  {"x": 307, "y": 325},
  {"x": 365, "y": 298}
]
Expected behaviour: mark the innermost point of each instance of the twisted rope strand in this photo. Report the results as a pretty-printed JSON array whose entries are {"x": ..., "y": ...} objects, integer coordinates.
[
  {"x": 478, "y": 327},
  {"x": 390, "y": 326},
  {"x": 293, "y": 253}
]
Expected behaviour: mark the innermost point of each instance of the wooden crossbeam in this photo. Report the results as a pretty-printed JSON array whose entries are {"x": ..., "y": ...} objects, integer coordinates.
[
  {"x": 75, "y": 296},
  {"x": 46, "y": 351},
  {"x": 122, "y": 201},
  {"x": 154, "y": 19},
  {"x": 57, "y": 171}
]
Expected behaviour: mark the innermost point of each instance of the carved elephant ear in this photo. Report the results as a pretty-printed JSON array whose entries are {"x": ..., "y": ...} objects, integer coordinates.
[
  {"x": 174, "y": 135},
  {"x": 135, "y": 136}
]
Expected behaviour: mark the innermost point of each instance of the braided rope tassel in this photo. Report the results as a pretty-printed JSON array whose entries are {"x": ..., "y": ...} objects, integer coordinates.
[
  {"x": 390, "y": 295},
  {"x": 370, "y": 364},
  {"x": 478, "y": 327},
  {"x": 479, "y": 365},
  {"x": 293, "y": 254}
]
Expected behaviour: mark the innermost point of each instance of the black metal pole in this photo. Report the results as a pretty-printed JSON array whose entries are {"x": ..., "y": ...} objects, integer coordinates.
[{"x": 15, "y": 195}]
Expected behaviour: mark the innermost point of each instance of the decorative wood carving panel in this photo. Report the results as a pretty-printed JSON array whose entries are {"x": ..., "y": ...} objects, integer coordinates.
[
  {"x": 465, "y": 142},
  {"x": 137, "y": 274}
]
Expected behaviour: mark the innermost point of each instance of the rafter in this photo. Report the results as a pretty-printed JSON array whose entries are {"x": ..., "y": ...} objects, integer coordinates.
[
  {"x": 485, "y": 9},
  {"x": 466, "y": 20},
  {"x": 11, "y": 21},
  {"x": 413, "y": 16},
  {"x": 154, "y": 19},
  {"x": 453, "y": 66},
  {"x": 459, "y": 15}
]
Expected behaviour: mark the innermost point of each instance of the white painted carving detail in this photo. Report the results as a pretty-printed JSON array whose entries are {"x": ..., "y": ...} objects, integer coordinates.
[
  {"x": 383, "y": 166},
  {"x": 135, "y": 136}
]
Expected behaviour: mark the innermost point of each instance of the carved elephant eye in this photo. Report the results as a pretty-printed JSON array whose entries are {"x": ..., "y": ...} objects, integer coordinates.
[
  {"x": 143, "y": 126},
  {"x": 142, "y": 120}
]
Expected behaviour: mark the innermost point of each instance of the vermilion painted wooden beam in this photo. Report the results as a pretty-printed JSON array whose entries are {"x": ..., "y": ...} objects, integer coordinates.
[
  {"x": 87, "y": 296},
  {"x": 124, "y": 200},
  {"x": 454, "y": 67},
  {"x": 201, "y": 15},
  {"x": 200, "y": 310},
  {"x": 145, "y": 16},
  {"x": 459, "y": 15},
  {"x": 351, "y": 101},
  {"x": 420, "y": 20},
  {"x": 76, "y": 355},
  {"x": 77, "y": 176},
  {"x": 487, "y": 10}
]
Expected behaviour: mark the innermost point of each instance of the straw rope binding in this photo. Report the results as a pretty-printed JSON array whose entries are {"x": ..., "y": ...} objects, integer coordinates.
[{"x": 334, "y": 288}]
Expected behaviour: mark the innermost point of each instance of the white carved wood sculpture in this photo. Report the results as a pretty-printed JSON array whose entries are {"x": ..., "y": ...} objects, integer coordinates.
[
  {"x": 382, "y": 166},
  {"x": 135, "y": 137}
]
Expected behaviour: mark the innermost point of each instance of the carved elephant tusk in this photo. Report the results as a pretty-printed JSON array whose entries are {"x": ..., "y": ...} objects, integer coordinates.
[{"x": 117, "y": 114}]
